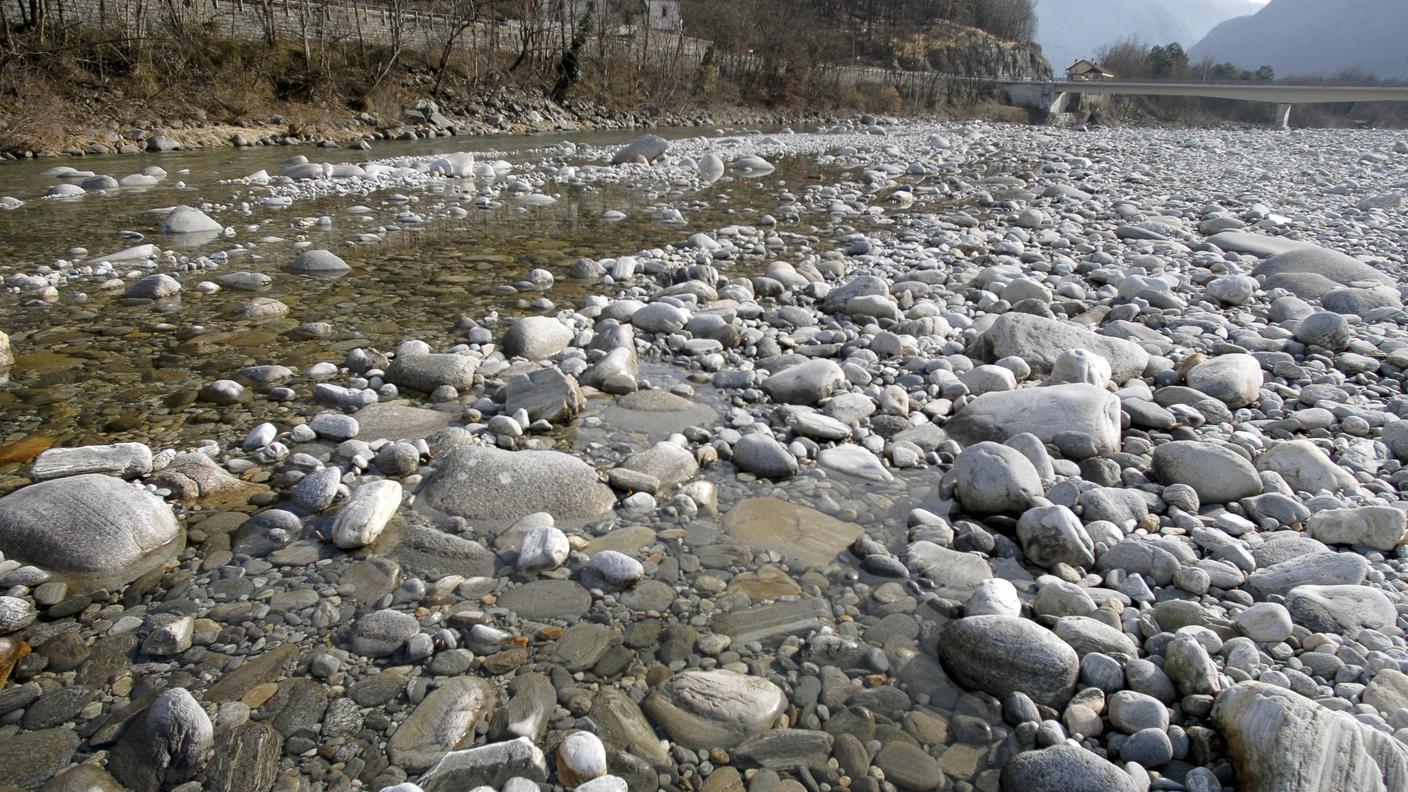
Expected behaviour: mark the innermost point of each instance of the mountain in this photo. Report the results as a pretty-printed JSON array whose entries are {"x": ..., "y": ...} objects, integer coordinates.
[
  {"x": 1072, "y": 29},
  {"x": 1304, "y": 37}
]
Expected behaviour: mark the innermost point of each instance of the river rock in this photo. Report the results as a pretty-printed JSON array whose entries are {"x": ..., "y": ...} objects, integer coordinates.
[
  {"x": 196, "y": 477},
  {"x": 440, "y": 722},
  {"x": 536, "y": 338},
  {"x": 482, "y": 483},
  {"x": 1080, "y": 420},
  {"x": 545, "y": 394},
  {"x": 1324, "y": 262},
  {"x": 124, "y": 460},
  {"x": 189, "y": 220},
  {"x": 805, "y": 383},
  {"x": 1063, "y": 768},
  {"x": 428, "y": 371},
  {"x": 1234, "y": 380},
  {"x": 319, "y": 262},
  {"x": 647, "y": 147},
  {"x": 1282, "y": 742},
  {"x": 1052, "y": 535},
  {"x": 154, "y": 287},
  {"x": 760, "y": 454},
  {"x": 491, "y": 765},
  {"x": 1341, "y": 609},
  {"x": 1003, "y": 654},
  {"x": 1217, "y": 473},
  {"x": 1330, "y": 569},
  {"x": 15, "y": 614},
  {"x": 1041, "y": 342},
  {"x": 365, "y": 514},
  {"x": 1305, "y": 467},
  {"x": 995, "y": 479},
  {"x": 381, "y": 633},
  {"x": 798, "y": 532},
  {"x": 580, "y": 758},
  {"x": 1379, "y": 527},
  {"x": 168, "y": 744},
  {"x": 90, "y": 526},
  {"x": 714, "y": 709}
]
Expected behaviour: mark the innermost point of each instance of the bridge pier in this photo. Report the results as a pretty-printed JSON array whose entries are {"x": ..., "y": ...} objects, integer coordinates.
[{"x": 1283, "y": 116}]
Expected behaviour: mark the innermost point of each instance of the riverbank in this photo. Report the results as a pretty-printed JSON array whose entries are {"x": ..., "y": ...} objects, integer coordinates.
[{"x": 880, "y": 457}]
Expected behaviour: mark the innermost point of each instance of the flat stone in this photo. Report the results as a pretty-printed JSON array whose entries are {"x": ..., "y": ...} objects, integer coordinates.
[
  {"x": 909, "y": 766},
  {"x": 1006, "y": 654},
  {"x": 764, "y": 623},
  {"x": 434, "y": 554},
  {"x": 490, "y": 765},
  {"x": 30, "y": 758},
  {"x": 548, "y": 599},
  {"x": 1063, "y": 768},
  {"x": 714, "y": 709},
  {"x": 482, "y": 483},
  {"x": 440, "y": 722},
  {"x": 798, "y": 532},
  {"x": 398, "y": 420}
]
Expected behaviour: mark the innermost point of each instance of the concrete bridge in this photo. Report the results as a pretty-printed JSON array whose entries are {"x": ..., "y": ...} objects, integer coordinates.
[{"x": 1052, "y": 95}]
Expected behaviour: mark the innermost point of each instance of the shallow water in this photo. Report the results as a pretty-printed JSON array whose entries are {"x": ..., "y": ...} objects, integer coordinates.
[{"x": 102, "y": 369}]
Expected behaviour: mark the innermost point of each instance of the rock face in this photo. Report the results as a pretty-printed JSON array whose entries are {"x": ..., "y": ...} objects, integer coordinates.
[
  {"x": 167, "y": 745},
  {"x": 440, "y": 722},
  {"x": 714, "y": 709},
  {"x": 89, "y": 526},
  {"x": 1004, "y": 654},
  {"x": 1217, "y": 473},
  {"x": 480, "y": 483},
  {"x": 1081, "y": 420},
  {"x": 1282, "y": 742},
  {"x": 1041, "y": 342}
]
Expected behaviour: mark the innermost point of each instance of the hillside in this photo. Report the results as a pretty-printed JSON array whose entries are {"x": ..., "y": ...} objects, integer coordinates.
[
  {"x": 1303, "y": 37},
  {"x": 1071, "y": 29}
]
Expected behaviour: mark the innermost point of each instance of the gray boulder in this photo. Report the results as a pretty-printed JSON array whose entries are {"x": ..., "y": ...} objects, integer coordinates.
[
  {"x": 440, "y": 722},
  {"x": 805, "y": 383},
  {"x": 482, "y": 483},
  {"x": 1379, "y": 527},
  {"x": 124, "y": 460},
  {"x": 704, "y": 710},
  {"x": 1327, "y": 330},
  {"x": 646, "y": 147},
  {"x": 1052, "y": 535},
  {"x": 1234, "y": 380},
  {"x": 1324, "y": 262},
  {"x": 89, "y": 526},
  {"x": 189, "y": 220},
  {"x": 1041, "y": 342},
  {"x": 1305, "y": 467},
  {"x": 536, "y": 338},
  {"x": 167, "y": 745},
  {"x": 1004, "y": 654},
  {"x": 1282, "y": 742},
  {"x": 154, "y": 287},
  {"x": 1080, "y": 420},
  {"x": 492, "y": 765},
  {"x": 1217, "y": 473},
  {"x": 319, "y": 262},
  {"x": 761, "y": 455},
  {"x": 1063, "y": 768},
  {"x": 426, "y": 372},
  {"x": 1341, "y": 609},
  {"x": 381, "y": 633},
  {"x": 1320, "y": 569},
  {"x": 991, "y": 478},
  {"x": 545, "y": 394}
]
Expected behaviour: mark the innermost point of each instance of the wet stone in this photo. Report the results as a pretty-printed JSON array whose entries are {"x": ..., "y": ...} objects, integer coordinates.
[
  {"x": 548, "y": 599},
  {"x": 57, "y": 708},
  {"x": 30, "y": 758}
]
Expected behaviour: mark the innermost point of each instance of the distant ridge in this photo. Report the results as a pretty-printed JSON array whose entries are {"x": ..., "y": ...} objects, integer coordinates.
[{"x": 1324, "y": 37}]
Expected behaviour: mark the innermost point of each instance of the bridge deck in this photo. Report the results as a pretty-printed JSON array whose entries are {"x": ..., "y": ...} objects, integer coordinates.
[{"x": 1278, "y": 93}]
